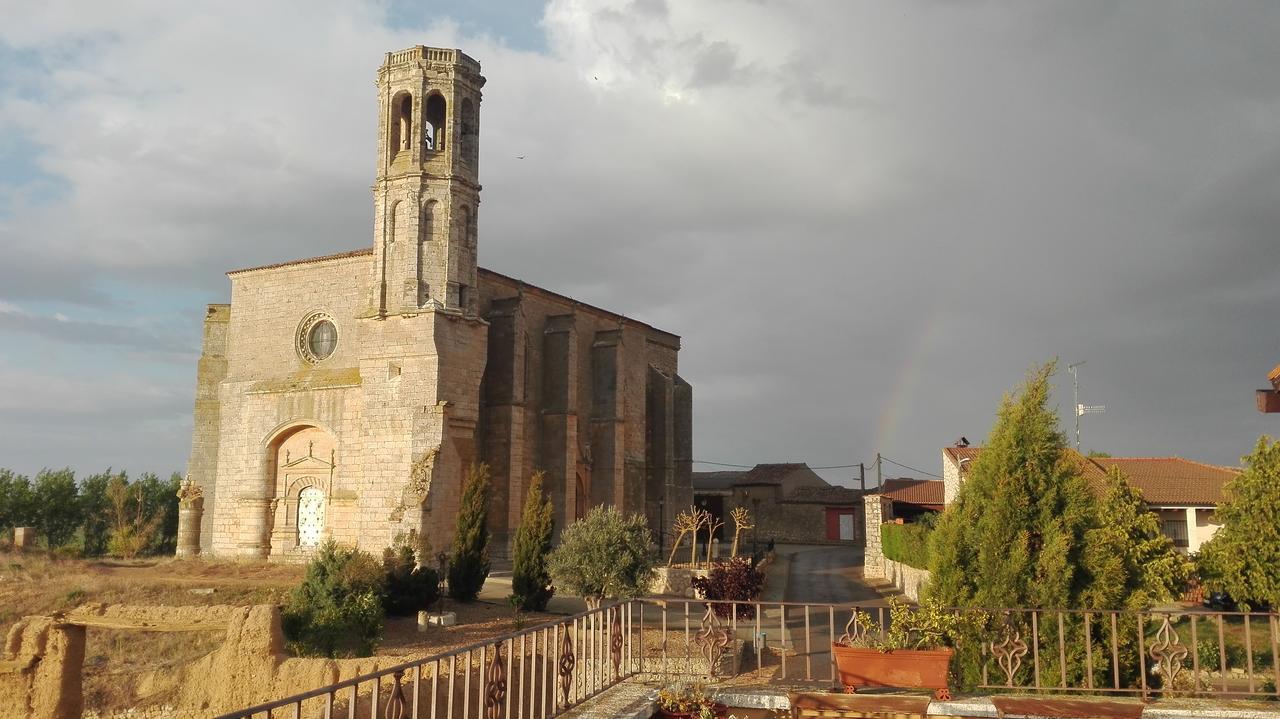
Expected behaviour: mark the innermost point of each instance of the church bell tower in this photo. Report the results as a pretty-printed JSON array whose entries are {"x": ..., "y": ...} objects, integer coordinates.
[{"x": 427, "y": 191}]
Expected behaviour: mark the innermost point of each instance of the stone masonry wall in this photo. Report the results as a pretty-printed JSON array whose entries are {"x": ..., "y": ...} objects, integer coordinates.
[
  {"x": 269, "y": 389},
  {"x": 950, "y": 479},
  {"x": 205, "y": 436},
  {"x": 873, "y": 553},
  {"x": 909, "y": 580},
  {"x": 567, "y": 395}
]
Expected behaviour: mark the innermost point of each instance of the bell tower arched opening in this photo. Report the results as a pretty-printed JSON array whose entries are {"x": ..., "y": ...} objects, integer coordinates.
[
  {"x": 401, "y": 125},
  {"x": 434, "y": 127}
]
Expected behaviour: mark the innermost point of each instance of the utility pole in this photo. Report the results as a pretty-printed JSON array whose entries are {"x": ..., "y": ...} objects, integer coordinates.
[
  {"x": 862, "y": 477},
  {"x": 879, "y": 479}
]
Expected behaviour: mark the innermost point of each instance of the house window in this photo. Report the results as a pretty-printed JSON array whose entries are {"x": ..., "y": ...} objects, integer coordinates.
[{"x": 1175, "y": 529}]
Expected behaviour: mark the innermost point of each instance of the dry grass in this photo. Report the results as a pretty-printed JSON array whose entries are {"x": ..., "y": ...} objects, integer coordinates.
[{"x": 35, "y": 583}]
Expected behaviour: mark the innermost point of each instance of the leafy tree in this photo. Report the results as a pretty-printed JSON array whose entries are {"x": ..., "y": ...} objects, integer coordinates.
[
  {"x": 96, "y": 506},
  {"x": 605, "y": 554},
  {"x": 17, "y": 501},
  {"x": 1132, "y": 565},
  {"x": 132, "y": 527},
  {"x": 1015, "y": 536},
  {"x": 1242, "y": 557},
  {"x": 337, "y": 609},
  {"x": 57, "y": 506},
  {"x": 469, "y": 563},
  {"x": 410, "y": 586},
  {"x": 530, "y": 580},
  {"x": 160, "y": 498}
]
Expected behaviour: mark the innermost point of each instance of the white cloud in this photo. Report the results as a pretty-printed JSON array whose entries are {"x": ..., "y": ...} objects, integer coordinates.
[{"x": 800, "y": 190}]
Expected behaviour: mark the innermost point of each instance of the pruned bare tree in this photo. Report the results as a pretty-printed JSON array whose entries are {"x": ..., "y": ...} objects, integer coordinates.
[
  {"x": 741, "y": 521},
  {"x": 685, "y": 523},
  {"x": 702, "y": 518},
  {"x": 713, "y": 524}
]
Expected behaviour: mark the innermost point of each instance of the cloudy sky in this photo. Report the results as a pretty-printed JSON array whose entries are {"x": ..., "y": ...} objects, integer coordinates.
[{"x": 866, "y": 220}]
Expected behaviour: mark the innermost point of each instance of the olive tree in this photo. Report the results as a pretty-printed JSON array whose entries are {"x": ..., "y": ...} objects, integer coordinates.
[{"x": 605, "y": 555}]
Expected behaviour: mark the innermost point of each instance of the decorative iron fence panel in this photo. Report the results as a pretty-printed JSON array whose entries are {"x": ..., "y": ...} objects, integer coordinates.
[{"x": 542, "y": 671}]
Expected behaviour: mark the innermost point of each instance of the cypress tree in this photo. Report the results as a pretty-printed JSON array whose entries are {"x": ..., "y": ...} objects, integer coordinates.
[
  {"x": 469, "y": 563},
  {"x": 1243, "y": 555},
  {"x": 1015, "y": 536},
  {"x": 1131, "y": 564},
  {"x": 530, "y": 581}
]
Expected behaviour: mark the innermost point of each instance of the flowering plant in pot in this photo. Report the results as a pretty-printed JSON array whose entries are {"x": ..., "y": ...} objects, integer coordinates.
[
  {"x": 687, "y": 700},
  {"x": 910, "y": 652}
]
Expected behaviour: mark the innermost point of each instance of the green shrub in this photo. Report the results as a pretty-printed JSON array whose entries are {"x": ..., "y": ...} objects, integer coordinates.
[
  {"x": 605, "y": 554},
  {"x": 409, "y": 588},
  {"x": 1207, "y": 650},
  {"x": 337, "y": 609},
  {"x": 469, "y": 564},
  {"x": 530, "y": 581},
  {"x": 906, "y": 543}
]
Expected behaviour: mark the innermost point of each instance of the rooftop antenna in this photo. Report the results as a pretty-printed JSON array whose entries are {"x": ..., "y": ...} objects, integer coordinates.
[{"x": 1080, "y": 409}]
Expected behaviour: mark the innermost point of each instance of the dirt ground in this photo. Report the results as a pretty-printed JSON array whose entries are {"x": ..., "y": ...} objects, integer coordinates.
[{"x": 32, "y": 583}]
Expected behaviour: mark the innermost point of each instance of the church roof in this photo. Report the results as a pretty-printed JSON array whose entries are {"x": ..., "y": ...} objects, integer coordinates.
[
  {"x": 307, "y": 261},
  {"x": 521, "y": 285}
]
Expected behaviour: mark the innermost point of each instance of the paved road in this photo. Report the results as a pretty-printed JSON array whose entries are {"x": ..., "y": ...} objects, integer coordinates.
[{"x": 829, "y": 575}]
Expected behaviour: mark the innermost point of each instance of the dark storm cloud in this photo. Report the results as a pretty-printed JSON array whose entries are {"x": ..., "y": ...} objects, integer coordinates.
[{"x": 866, "y": 220}]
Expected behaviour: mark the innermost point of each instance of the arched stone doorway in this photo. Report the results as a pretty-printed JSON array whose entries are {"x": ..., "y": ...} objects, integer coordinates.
[{"x": 302, "y": 466}]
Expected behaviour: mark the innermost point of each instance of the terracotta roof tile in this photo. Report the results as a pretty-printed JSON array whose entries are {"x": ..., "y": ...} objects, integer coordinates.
[
  {"x": 914, "y": 491},
  {"x": 717, "y": 480},
  {"x": 824, "y": 495},
  {"x": 772, "y": 473},
  {"x": 1161, "y": 480}
]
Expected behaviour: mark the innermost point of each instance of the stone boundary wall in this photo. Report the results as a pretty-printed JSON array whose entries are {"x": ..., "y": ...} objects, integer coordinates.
[{"x": 906, "y": 579}]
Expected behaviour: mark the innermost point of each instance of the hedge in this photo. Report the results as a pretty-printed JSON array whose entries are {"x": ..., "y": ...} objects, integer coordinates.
[{"x": 906, "y": 543}]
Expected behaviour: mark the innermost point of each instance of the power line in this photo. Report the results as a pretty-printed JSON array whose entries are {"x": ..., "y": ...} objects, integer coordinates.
[
  {"x": 913, "y": 469},
  {"x": 752, "y": 466}
]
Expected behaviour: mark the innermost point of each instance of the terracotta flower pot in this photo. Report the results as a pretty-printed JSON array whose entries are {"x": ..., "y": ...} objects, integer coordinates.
[{"x": 900, "y": 668}]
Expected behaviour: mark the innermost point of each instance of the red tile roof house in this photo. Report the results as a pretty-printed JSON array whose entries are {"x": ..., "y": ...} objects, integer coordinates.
[
  {"x": 1182, "y": 492},
  {"x": 910, "y": 498}
]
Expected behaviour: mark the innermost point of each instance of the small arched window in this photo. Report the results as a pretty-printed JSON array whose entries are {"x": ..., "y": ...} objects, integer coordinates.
[
  {"x": 433, "y": 128},
  {"x": 401, "y": 122}
]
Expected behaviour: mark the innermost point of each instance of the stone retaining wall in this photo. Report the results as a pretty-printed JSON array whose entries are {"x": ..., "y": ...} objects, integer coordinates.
[{"x": 906, "y": 579}]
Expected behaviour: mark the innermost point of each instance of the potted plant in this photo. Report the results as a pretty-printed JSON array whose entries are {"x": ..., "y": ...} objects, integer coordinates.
[
  {"x": 910, "y": 653},
  {"x": 687, "y": 700}
]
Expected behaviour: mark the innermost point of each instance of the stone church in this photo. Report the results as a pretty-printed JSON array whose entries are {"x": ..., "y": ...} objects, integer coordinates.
[{"x": 345, "y": 396}]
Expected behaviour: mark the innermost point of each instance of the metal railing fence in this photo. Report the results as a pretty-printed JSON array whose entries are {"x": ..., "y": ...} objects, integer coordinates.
[{"x": 544, "y": 670}]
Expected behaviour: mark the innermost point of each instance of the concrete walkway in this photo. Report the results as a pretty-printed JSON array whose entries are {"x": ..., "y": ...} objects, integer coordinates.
[{"x": 828, "y": 575}]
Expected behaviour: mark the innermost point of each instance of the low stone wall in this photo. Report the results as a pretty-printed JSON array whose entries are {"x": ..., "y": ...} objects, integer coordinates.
[
  {"x": 906, "y": 579},
  {"x": 675, "y": 581}
]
